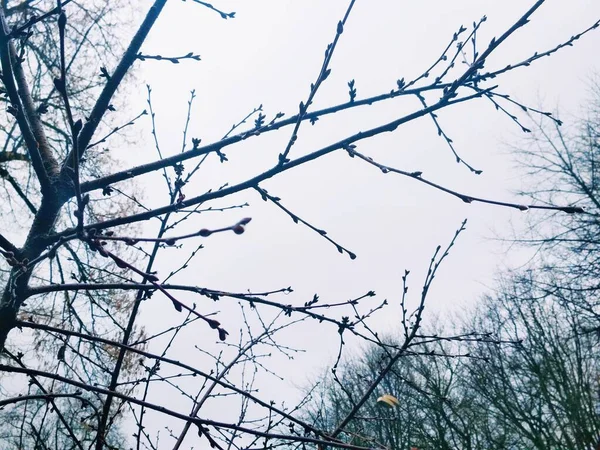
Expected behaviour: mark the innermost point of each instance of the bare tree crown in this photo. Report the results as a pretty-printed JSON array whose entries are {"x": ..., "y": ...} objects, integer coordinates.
[{"x": 74, "y": 288}]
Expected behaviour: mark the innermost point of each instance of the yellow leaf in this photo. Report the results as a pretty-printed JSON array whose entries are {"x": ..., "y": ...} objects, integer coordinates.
[{"x": 388, "y": 400}]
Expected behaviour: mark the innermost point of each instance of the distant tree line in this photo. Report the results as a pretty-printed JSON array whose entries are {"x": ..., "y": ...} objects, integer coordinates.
[{"x": 536, "y": 383}]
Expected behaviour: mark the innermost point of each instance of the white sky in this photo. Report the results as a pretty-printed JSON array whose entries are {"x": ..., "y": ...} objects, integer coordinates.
[{"x": 269, "y": 54}]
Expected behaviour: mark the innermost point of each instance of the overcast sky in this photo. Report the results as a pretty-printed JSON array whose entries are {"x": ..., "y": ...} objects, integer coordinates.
[{"x": 269, "y": 54}]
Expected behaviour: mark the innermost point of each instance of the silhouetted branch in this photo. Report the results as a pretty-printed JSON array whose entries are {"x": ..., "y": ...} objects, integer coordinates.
[
  {"x": 277, "y": 201},
  {"x": 465, "y": 198}
]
